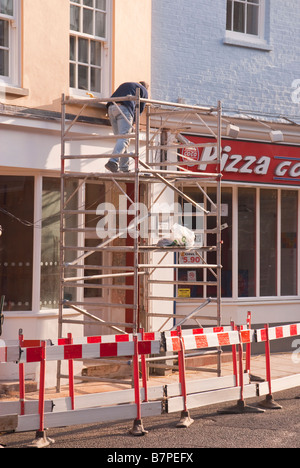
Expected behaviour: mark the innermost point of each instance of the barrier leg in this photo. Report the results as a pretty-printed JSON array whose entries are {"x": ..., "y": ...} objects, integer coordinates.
[
  {"x": 138, "y": 428},
  {"x": 234, "y": 359},
  {"x": 253, "y": 378},
  {"x": 144, "y": 370},
  {"x": 185, "y": 419},
  {"x": 241, "y": 407},
  {"x": 41, "y": 439},
  {"x": 269, "y": 403},
  {"x": 21, "y": 379},
  {"x": 71, "y": 376}
]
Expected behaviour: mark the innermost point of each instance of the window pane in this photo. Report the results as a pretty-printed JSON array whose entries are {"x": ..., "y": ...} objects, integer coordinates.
[
  {"x": 268, "y": 242},
  {"x": 227, "y": 243},
  {"x": 4, "y": 33},
  {"x": 88, "y": 21},
  {"x": 83, "y": 50},
  {"x": 96, "y": 80},
  {"x": 16, "y": 253},
  {"x": 72, "y": 48},
  {"x": 252, "y": 19},
  {"x": 289, "y": 221},
  {"x": 50, "y": 244},
  {"x": 246, "y": 242},
  {"x": 72, "y": 75},
  {"x": 7, "y": 7},
  {"x": 96, "y": 53},
  {"x": 191, "y": 220},
  {"x": 101, "y": 4},
  {"x": 88, "y": 2},
  {"x": 4, "y": 63},
  {"x": 229, "y": 15},
  {"x": 100, "y": 24},
  {"x": 75, "y": 18},
  {"x": 239, "y": 17},
  {"x": 83, "y": 77}
]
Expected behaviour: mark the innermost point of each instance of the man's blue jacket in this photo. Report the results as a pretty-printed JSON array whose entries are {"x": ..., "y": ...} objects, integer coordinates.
[{"x": 129, "y": 89}]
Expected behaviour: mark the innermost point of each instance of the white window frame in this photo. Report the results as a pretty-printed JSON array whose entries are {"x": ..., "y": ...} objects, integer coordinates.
[
  {"x": 249, "y": 40},
  {"x": 13, "y": 78},
  {"x": 105, "y": 67}
]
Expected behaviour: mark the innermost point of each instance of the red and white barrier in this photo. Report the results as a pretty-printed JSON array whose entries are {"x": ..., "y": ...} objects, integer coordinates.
[
  {"x": 135, "y": 403},
  {"x": 209, "y": 340},
  {"x": 275, "y": 333}
]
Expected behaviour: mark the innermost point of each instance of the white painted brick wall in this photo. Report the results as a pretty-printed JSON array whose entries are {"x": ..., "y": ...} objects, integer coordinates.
[{"x": 190, "y": 60}]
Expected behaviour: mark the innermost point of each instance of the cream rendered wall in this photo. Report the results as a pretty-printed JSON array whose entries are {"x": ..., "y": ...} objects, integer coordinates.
[
  {"x": 132, "y": 41},
  {"x": 44, "y": 53}
]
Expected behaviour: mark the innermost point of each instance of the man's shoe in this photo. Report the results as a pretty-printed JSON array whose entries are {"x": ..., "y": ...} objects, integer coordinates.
[
  {"x": 111, "y": 166},
  {"x": 125, "y": 169}
]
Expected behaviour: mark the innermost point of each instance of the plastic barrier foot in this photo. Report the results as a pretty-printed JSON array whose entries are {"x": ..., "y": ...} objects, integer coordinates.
[
  {"x": 241, "y": 408},
  {"x": 41, "y": 440},
  {"x": 185, "y": 420},
  {"x": 269, "y": 403},
  {"x": 138, "y": 428}
]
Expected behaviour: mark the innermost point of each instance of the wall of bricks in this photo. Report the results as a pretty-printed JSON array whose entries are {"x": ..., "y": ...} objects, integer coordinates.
[{"x": 190, "y": 59}]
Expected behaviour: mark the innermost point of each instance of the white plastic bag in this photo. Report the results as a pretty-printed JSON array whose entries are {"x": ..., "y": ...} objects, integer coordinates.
[{"x": 183, "y": 236}]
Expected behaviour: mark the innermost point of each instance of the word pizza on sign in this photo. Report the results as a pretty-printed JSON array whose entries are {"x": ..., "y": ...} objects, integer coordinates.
[{"x": 245, "y": 161}]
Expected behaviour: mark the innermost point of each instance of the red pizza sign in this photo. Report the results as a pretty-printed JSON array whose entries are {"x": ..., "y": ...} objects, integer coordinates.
[{"x": 246, "y": 161}]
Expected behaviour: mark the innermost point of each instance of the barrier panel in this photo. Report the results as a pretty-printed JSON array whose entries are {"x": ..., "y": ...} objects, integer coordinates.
[{"x": 137, "y": 403}]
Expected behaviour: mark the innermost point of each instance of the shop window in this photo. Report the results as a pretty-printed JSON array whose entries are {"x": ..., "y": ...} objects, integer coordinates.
[
  {"x": 226, "y": 219},
  {"x": 50, "y": 242},
  {"x": 95, "y": 195},
  {"x": 208, "y": 222},
  {"x": 246, "y": 242},
  {"x": 268, "y": 242},
  {"x": 289, "y": 223},
  {"x": 16, "y": 242},
  {"x": 88, "y": 40}
]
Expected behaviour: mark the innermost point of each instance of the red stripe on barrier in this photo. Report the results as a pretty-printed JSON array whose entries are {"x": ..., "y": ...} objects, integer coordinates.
[
  {"x": 122, "y": 338},
  {"x": 263, "y": 335},
  {"x": 293, "y": 330},
  {"x": 62, "y": 341},
  {"x": 279, "y": 332},
  {"x": 176, "y": 343},
  {"x": 201, "y": 341},
  {"x": 218, "y": 329},
  {"x": 245, "y": 336},
  {"x": 144, "y": 347},
  {"x": 224, "y": 339},
  {"x": 198, "y": 331},
  {"x": 73, "y": 351},
  {"x": 149, "y": 336},
  {"x": 94, "y": 339},
  {"x": 31, "y": 343},
  {"x": 108, "y": 349},
  {"x": 34, "y": 354}
]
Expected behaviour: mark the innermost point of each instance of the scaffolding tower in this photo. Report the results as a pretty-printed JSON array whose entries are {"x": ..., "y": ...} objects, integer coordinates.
[{"x": 118, "y": 268}]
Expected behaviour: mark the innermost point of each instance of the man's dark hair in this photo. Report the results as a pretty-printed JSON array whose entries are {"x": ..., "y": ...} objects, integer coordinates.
[{"x": 143, "y": 83}]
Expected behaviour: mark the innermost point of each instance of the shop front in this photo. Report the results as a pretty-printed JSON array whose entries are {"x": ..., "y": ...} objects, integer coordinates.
[{"x": 260, "y": 231}]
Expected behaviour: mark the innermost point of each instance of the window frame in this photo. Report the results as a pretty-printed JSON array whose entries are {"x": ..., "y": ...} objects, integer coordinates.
[
  {"x": 14, "y": 67},
  {"x": 242, "y": 39},
  {"x": 105, "y": 43}
]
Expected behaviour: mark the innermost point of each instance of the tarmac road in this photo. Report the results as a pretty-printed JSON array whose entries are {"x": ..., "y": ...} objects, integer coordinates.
[{"x": 272, "y": 429}]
